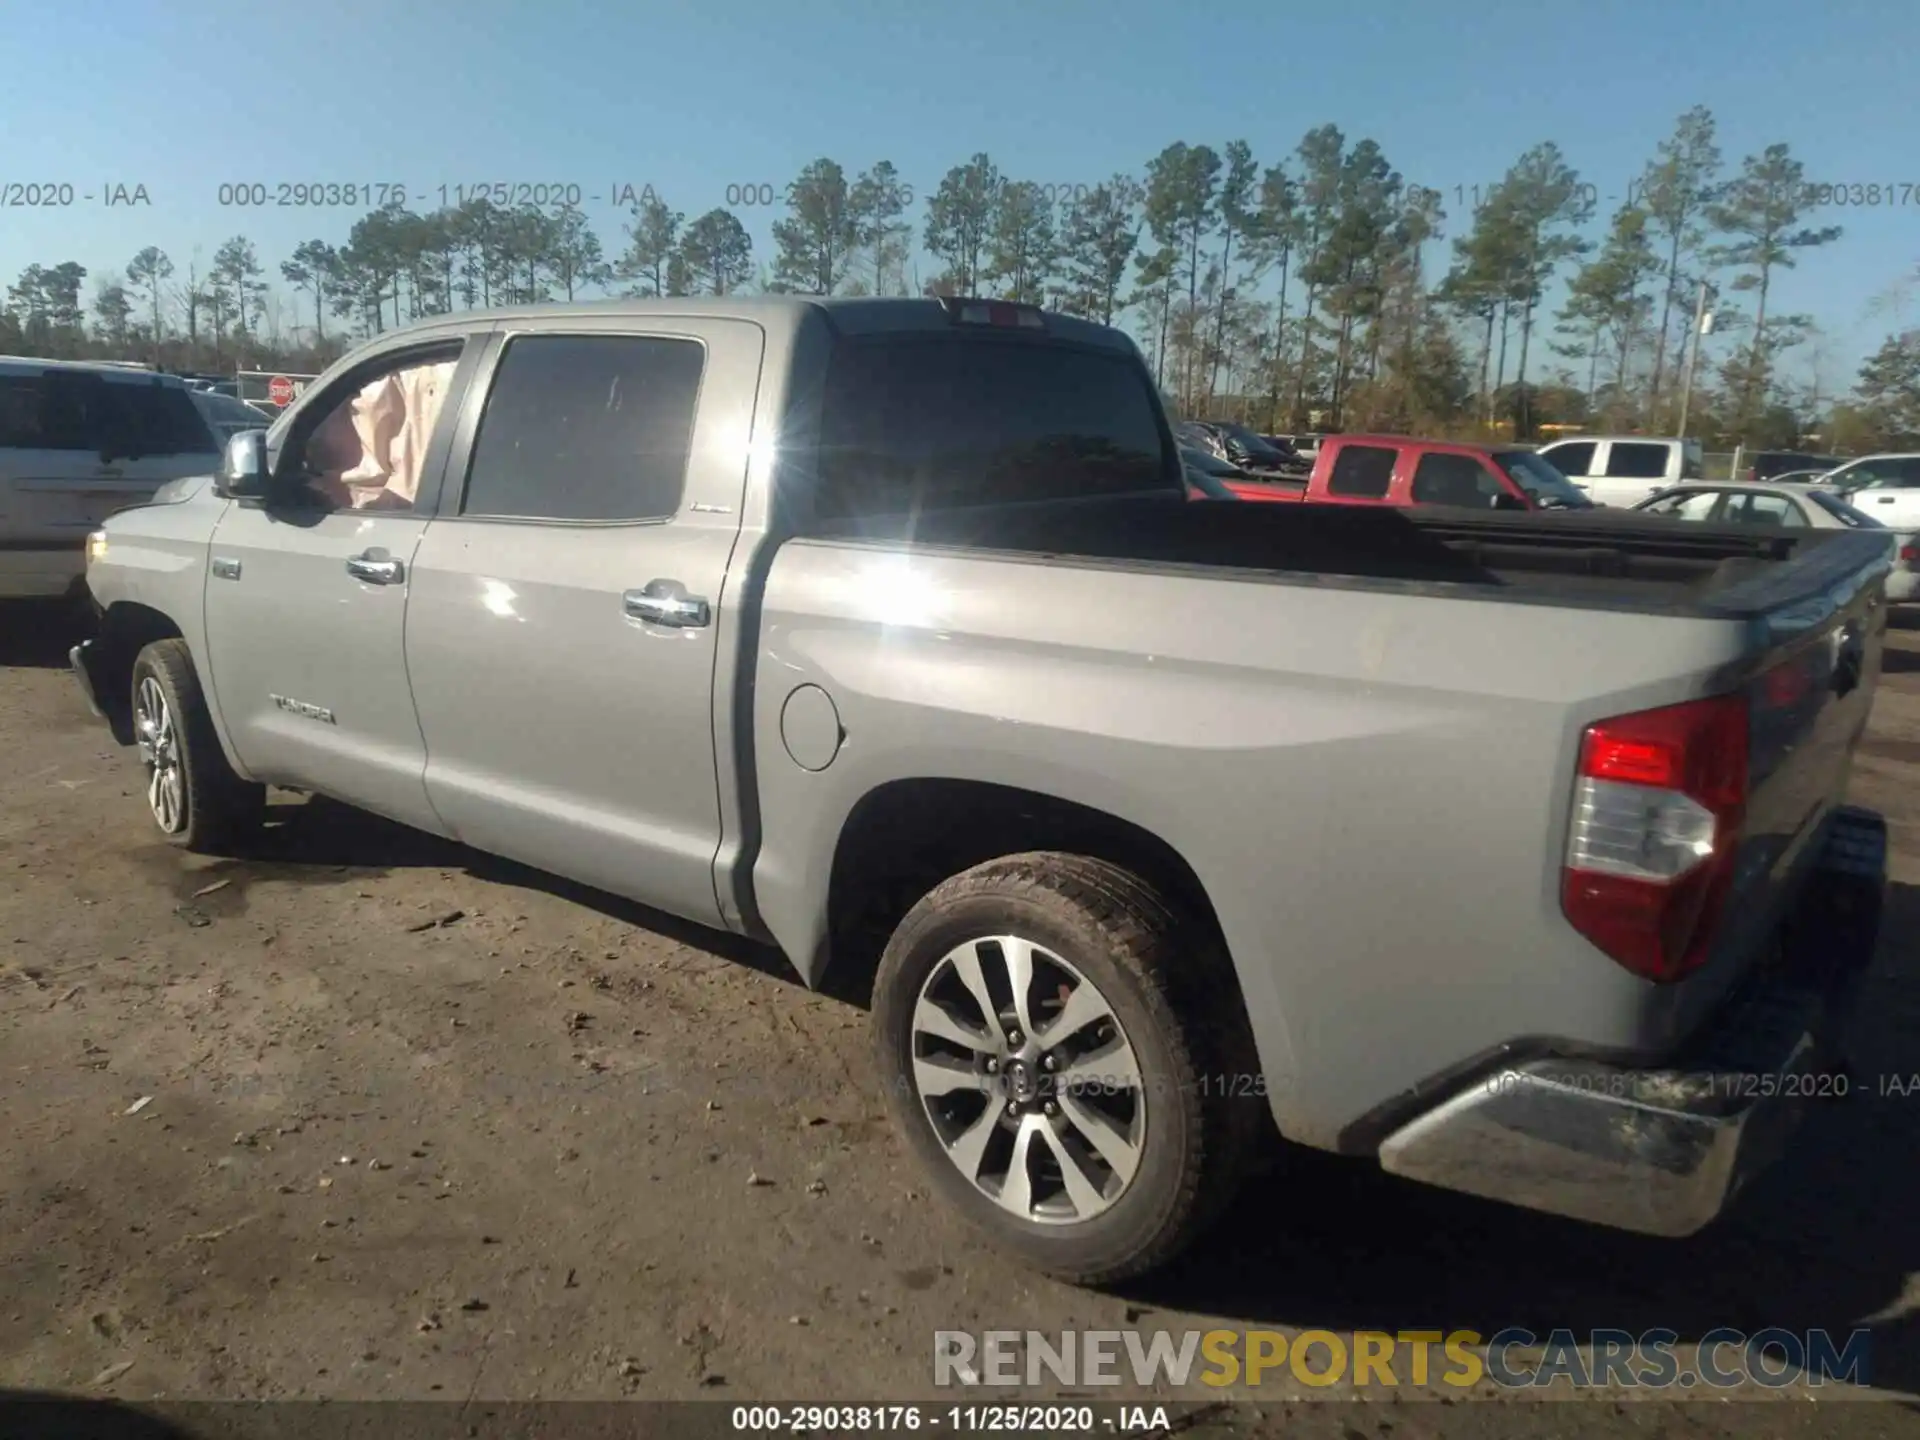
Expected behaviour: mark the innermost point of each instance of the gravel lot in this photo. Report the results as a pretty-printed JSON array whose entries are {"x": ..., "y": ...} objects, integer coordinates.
[{"x": 365, "y": 1115}]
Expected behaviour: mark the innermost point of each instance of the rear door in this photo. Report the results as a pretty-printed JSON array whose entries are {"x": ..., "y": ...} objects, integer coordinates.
[
  {"x": 562, "y": 634},
  {"x": 1632, "y": 470}
]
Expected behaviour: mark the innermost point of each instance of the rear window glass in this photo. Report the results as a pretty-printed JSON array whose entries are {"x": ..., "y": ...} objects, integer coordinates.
[
  {"x": 913, "y": 423},
  {"x": 1843, "y": 512},
  {"x": 85, "y": 412}
]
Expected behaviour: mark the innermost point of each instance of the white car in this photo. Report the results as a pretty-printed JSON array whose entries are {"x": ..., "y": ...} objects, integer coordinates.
[
  {"x": 1764, "y": 502},
  {"x": 1623, "y": 470},
  {"x": 78, "y": 441},
  {"x": 1887, "y": 487}
]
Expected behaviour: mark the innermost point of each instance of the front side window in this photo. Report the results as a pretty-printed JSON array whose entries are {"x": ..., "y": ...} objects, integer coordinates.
[
  {"x": 587, "y": 427},
  {"x": 928, "y": 422},
  {"x": 368, "y": 450},
  {"x": 1574, "y": 458},
  {"x": 1442, "y": 479}
]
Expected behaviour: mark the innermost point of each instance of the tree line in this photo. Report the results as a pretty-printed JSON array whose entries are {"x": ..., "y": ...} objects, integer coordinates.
[{"x": 1320, "y": 288}]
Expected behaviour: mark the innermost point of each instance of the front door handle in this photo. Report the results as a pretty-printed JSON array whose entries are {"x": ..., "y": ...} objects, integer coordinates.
[
  {"x": 666, "y": 602},
  {"x": 376, "y": 567}
]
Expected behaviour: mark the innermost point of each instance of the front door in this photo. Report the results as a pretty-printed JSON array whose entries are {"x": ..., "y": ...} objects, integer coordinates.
[
  {"x": 307, "y": 594},
  {"x": 562, "y": 631}
]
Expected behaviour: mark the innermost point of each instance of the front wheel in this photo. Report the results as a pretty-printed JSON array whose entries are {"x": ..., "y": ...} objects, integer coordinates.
[
  {"x": 1034, "y": 1056},
  {"x": 192, "y": 793}
]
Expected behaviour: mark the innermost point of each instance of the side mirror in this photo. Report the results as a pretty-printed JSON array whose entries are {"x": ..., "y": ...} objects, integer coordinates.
[
  {"x": 243, "y": 470},
  {"x": 1506, "y": 501}
]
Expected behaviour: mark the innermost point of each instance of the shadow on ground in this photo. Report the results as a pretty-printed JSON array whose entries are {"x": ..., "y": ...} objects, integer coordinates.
[
  {"x": 37, "y": 634},
  {"x": 1827, "y": 1239},
  {"x": 318, "y": 841}
]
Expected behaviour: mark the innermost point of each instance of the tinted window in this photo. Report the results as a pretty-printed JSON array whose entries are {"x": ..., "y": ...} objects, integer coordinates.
[
  {"x": 1575, "y": 458},
  {"x": 939, "y": 421},
  {"x": 87, "y": 412},
  {"x": 1453, "y": 480},
  {"x": 1629, "y": 461},
  {"x": 1692, "y": 466},
  {"x": 586, "y": 427},
  {"x": 1362, "y": 471}
]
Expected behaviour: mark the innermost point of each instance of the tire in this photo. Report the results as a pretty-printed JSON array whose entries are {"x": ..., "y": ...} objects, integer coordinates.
[
  {"x": 193, "y": 796},
  {"x": 1173, "y": 1004}
]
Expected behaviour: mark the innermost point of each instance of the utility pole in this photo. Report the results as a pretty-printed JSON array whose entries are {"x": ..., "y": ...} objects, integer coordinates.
[{"x": 1702, "y": 322}]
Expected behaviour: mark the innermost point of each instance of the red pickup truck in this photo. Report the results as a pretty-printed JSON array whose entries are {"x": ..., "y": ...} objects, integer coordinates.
[{"x": 1396, "y": 470}]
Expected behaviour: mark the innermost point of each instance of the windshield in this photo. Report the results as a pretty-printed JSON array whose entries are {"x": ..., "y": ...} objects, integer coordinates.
[
  {"x": 1843, "y": 512},
  {"x": 1249, "y": 441},
  {"x": 1201, "y": 460},
  {"x": 1545, "y": 485}
]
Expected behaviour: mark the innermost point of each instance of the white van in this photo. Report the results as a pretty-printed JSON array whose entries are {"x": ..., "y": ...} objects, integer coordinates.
[
  {"x": 1623, "y": 470},
  {"x": 78, "y": 441}
]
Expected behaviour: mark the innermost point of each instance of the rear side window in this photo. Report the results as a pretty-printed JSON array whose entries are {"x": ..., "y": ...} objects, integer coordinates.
[
  {"x": 931, "y": 422},
  {"x": 1692, "y": 463},
  {"x": 586, "y": 427},
  {"x": 123, "y": 419},
  {"x": 1628, "y": 461},
  {"x": 1572, "y": 459},
  {"x": 1364, "y": 472}
]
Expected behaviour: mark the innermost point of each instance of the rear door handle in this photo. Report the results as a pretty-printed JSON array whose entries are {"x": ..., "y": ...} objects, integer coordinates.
[
  {"x": 666, "y": 602},
  {"x": 376, "y": 567}
]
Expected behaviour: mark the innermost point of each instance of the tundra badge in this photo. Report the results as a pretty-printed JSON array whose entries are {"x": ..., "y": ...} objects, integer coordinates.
[{"x": 301, "y": 707}]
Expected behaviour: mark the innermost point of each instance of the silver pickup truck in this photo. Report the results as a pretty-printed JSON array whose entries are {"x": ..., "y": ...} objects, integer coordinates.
[{"x": 1504, "y": 849}]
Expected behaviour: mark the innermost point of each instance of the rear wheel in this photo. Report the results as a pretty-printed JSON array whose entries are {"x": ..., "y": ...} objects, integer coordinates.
[
  {"x": 192, "y": 793},
  {"x": 1034, "y": 1056}
]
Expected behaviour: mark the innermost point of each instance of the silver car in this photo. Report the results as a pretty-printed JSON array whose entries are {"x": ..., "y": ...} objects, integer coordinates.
[{"x": 1735, "y": 502}]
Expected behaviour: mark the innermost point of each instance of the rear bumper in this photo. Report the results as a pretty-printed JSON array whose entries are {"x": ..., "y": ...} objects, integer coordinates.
[{"x": 1663, "y": 1150}]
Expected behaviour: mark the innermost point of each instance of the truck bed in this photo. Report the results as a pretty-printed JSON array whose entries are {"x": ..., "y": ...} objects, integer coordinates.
[{"x": 1589, "y": 559}]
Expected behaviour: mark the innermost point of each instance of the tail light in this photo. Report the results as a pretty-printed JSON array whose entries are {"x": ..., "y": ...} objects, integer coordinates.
[
  {"x": 1656, "y": 820},
  {"x": 1910, "y": 553}
]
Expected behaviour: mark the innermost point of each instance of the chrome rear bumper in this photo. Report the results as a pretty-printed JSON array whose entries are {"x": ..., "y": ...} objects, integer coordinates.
[{"x": 1663, "y": 1150}]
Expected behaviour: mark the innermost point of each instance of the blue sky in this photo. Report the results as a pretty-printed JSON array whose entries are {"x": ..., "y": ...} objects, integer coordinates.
[{"x": 184, "y": 96}]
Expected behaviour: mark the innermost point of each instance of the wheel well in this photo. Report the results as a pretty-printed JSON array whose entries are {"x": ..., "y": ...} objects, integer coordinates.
[
  {"x": 126, "y": 629},
  {"x": 905, "y": 837}
]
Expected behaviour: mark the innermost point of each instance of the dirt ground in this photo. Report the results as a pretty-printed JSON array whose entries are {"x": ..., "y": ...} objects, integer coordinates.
[{"x": 368, "y": 1116}]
